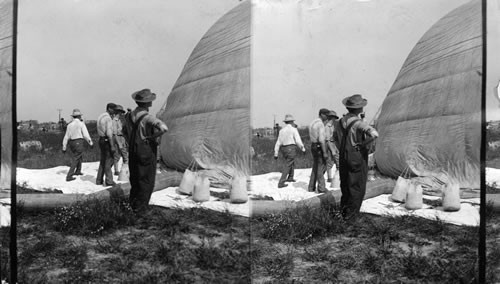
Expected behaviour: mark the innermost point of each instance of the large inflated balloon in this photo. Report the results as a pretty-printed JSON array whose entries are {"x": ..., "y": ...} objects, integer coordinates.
[
  {"x": 430, "y": 119},
  {"x": 6, "y": 31},
  {"x": 207, "y": 111}
]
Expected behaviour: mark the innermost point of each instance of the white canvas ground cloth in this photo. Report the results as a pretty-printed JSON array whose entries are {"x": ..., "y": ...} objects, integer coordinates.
[{"x": 261, "y": 185}]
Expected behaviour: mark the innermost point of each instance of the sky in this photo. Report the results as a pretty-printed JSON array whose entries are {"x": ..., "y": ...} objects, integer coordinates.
[
  {"x": 311, "y": 54},
  {"x": 84, "y": 54},
  {"x": 306, "y": 54},
  {"x": 493, "y": 60}
]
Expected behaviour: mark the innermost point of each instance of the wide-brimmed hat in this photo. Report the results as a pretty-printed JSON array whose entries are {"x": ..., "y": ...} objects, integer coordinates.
[
  {"x": 119, "y": 108},
  {"x": 76, "y": 112},
  {"x": 332, "y": 113},
  {"x": 144, "y": 96},
  {"x": 288, "y": 117},
  {"x": 354, "y": 101},
  {"x": 324, "y": 111}
]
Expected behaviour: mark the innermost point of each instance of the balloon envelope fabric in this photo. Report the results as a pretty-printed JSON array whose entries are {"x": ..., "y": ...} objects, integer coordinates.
[
  {"x": 430, "y": 119},
  {"x": 6, "y": 131},
  {"x": 208, "y": 110}
]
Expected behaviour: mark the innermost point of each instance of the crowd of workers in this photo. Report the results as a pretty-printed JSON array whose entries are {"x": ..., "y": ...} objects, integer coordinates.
[
  {"x": 341, "y": 142},
  {"x": 132, "y": 137}
]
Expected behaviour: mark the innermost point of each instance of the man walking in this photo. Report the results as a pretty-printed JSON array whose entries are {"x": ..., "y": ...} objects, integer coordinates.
[
  {"x": 142, "y": 131},
  {"x": 333, "y": 154},
  {"x": 353, "y": 137},
  {"x": 76, "y": 133},
  {"x": 118, "y": 139},
  {"x": 288, "y": 140},
  {"x": 106, "y": 145},
  {"x": 319, "y": 152}
]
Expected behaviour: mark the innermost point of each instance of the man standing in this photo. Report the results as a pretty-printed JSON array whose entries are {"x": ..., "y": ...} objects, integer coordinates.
[
  {"x": 118, "y": 139},
  {"x": 319, "y": 152},
  {"x": 288, "y": 140},
  {"x": 106, "y": 145},
  {"x": 76, "y": 133},
  {"x": 142, "y": 131},
  {"x": 333, "y": 154},
  {"x": 353, "y": 137}
]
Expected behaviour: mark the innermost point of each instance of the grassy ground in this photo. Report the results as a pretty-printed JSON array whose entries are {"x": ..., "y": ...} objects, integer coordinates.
[
  {"x": 103, "y": 242},
  {"x": 78, "y": 245},
  {"x": 51, "y": 154}
]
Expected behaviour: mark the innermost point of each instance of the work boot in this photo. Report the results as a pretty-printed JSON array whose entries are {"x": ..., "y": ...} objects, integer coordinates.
[
  {"x": 290, "y": 180},
  {"x": 70, "y": 178},
  {"x": 281, "y": 185}
]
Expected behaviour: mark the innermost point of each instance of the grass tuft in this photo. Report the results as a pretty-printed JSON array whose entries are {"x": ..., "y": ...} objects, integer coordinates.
[
  {"x": 93, "y": 217},
  {"x": 302, "y": 224}
]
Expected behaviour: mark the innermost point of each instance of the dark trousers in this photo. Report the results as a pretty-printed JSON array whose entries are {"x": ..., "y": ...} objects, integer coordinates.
[
  {"x": 318, "y": 169},
  {"x": 106, "y": 162},
  {"x": 76, "y": 147},
  {"x": 353, "y": 176},
  {"x": 289, "y": 153},
  {"x": 142, "y": 167}
]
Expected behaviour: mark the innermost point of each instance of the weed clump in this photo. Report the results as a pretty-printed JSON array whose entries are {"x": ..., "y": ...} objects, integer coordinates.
[
  {"x": 302, "y": 224},
  {"x": 92, "y": 217}
]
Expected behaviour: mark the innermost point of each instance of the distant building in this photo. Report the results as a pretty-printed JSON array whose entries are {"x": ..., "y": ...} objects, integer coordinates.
[
  {"x": 48, "y": 126},
  {"x": 27, "y": 125},
  {"x": 263, "y": 132},
  {"x": 493, "y": 124}
]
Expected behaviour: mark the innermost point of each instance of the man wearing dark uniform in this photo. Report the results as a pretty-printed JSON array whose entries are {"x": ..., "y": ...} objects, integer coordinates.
[
  {"x": 142, "y": 130},
  {"x": 353, "y": 137}
]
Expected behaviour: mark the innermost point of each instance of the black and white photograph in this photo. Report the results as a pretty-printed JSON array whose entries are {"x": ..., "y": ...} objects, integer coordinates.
[{"x": 250, "y": 141}]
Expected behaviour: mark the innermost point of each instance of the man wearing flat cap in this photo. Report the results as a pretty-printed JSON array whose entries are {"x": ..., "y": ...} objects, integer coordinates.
[
  {"x": 106, "y": 145},
  {"x": 142, "y": 130},
  {"x": 288, "y": 141},
  {"x": 319, "y": 152},
  {"x": 118, "y": 139},
  {"x": 333, "y": 153},
  {"x": 76, "y": 134},
  {"x": 353, "y": 137}
]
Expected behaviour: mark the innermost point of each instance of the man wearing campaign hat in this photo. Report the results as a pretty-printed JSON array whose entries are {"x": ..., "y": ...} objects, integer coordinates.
[
  {"x": 288, "y": 141},
  {"x": 353, "y": 137},
  {"x": 118, "y": 139},
  {"x": 319, "y": 152},
  {"x": 333, "y": 154},
  {"x": 76, "y": 133},
  {"x": 106, "y": 145},
  {"x": 142, "y": 130}
]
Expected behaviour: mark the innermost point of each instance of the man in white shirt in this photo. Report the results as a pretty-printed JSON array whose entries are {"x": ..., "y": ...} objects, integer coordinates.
[
  {"x": 319, "y": 152},
  {"x": 76, "y": 133},
  {"x": 106, "y": 145},
  {"x": 288, "y": 140}
]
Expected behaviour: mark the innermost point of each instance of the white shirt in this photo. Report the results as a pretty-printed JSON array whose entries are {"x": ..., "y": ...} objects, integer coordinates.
[
  {"x": 317, "y": 131},
  {"x": 105, "y": 125},
  {"x": 288, "y": 135},
  {"x": 76, "y": 130},
  {"x": 329, "y": 131}
]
